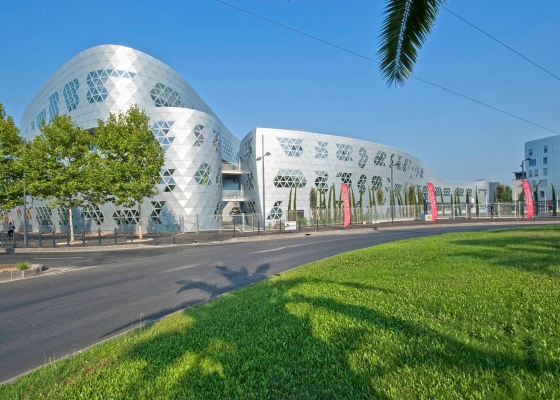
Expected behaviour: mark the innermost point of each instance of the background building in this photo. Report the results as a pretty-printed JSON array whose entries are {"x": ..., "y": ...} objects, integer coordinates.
[
  {"x": 209, "y": 175},
  {"x": 543, "y": 169}
]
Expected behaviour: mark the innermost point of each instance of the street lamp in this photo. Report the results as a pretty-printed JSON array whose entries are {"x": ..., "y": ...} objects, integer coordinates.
[
  {"x": 12, "y": 158},
  {"x": 263, "y": 200}
]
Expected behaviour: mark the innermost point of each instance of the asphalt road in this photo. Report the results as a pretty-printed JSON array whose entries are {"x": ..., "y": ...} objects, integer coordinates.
[{"x": 87, "y": 297}]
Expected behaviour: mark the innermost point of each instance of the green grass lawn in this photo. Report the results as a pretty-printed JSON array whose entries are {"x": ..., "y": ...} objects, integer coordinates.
[{"x": 471, "y": 315}]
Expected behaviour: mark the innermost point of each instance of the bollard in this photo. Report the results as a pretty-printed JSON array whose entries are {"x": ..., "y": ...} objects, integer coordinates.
[
  {"x": 233, "y": 226},
  {"x": 53, "y": 240},
  {"x": 83, "y": 238},
  {"x": 299, "y": 224},
  {"x": 68, "y": 237},
  {"x": 317, "y": 229},
  {"x": 280, "y": 225},
  {"x": 14, "y": 240},
  {"x": 115, "y": 236},
  {"x": 258, "y": 228},
  {"x": 216, "y": 237},
  {"x": 2, "y": 234},
  {"x": 174, "y": 241},
  {"x": 131, "y": 237},
  {"x": 155, "y": 237},
  {"x": 99, "y": 236},
  {"x": 196, "y": 223},
  {"x": 40, "y": 240}
]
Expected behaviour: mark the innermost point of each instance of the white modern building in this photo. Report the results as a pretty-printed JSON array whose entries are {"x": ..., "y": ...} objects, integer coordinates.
[
  {"x": 209, "y": 174},
  {"x": 542, "y": 166}
]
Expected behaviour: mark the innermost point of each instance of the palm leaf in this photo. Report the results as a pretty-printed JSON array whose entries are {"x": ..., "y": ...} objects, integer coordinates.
[{"x": 405, "y": 28}]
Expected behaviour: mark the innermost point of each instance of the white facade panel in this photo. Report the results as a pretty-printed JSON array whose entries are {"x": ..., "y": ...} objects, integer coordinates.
[{"x": 110, "y": 79}]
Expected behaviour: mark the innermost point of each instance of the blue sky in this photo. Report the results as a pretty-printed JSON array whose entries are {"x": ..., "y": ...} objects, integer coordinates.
[{"x": 253, "y": 73}]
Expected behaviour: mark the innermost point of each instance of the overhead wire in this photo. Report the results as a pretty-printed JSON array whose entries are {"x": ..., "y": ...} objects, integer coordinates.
[
  {"x": 500, "y": 42},
  {"x": 377, "y": 62}
]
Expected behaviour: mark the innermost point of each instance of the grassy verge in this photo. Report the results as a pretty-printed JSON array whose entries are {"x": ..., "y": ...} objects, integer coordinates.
[{"x": 473, "y": 315}]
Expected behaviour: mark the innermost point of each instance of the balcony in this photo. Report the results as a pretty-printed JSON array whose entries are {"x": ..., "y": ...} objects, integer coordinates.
[
  {"x": 231, "y": 169},
  {"x": 232, "y": 195}
]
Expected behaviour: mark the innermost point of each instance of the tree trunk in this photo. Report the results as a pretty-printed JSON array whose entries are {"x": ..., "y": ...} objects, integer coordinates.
[
  {"x": 70, "y": 225},
  {"x": 139, "y": 220}
]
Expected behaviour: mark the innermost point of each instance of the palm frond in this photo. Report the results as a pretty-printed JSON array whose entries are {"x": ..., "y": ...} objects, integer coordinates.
[{"x": 406, "y": 25}]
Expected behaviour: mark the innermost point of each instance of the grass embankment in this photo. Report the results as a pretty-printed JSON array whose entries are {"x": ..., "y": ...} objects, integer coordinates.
[{"x": 472, "y": 315}]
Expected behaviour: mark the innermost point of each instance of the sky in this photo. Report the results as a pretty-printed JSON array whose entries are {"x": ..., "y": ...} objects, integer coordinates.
[{"x": 253, "y": 73}]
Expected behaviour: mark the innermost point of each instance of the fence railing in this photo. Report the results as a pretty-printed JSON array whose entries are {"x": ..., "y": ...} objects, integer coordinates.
[
  {"x": 81, "y": 238},
  {"x": 232, "y": 194},
  {"x": 53, "y": 236},
  {"x": 230, "y": 167}
]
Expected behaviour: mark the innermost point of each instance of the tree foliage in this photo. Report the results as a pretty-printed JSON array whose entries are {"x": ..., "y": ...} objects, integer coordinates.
[
  {"x": 503, "y": 194},
  {"x": 132, "y": 158},
  {"x": 61, "y": 166},
  {"x": 380, "y": 195},
  {"x": 405, "y": 28},
  {"x": 11, "y": 172},
  {"x": 313, "y": 198}
]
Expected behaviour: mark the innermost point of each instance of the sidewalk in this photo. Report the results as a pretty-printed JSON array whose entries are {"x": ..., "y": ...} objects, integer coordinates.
[{"x": 215, "y": 237}]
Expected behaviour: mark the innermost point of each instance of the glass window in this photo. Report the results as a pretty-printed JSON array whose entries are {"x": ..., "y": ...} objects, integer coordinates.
[
  {"x": 289, "y": 178},
  {"x": 292, "y": 147},
  {"x": 530, "y": 152},
  {"x": 545, "y": 171},
  {"x": 545, "y": 160},
  {"x": 164, "y": 96},
  {"x": 545, "y": 149},
  {"x": 530, "y": 173},
  {"x": 322, "y": 151},
  {"x": 344, "y": 152},
  {"x": 536, "y": 172}
]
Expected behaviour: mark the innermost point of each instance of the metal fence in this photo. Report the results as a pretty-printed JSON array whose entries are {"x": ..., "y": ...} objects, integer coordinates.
[
  {"x": 81, "y": 238},
  {"x": 247, "y": 223}
]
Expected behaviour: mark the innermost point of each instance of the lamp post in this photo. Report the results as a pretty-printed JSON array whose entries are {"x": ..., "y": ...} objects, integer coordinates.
[{"x": 263, "y": 200}]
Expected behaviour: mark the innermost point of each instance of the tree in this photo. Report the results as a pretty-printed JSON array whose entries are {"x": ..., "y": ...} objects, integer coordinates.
[
  {"x": 500, "y": 193},
  {"x": 290, "y": 204},
  {"x": 476, "y": 201},
  {"x": 380, "y": 195},
  {"x": 132, "y": 158},
  {"x": 11, "y": 172},
  {"x": 508, "y": 194},
  {"x": 331, "y": 197},
  {"x": 313, "y": 199},
  {"x": 406, "y": 26},
  {"x": 555, "y": 205},
  {"x": 536, "y": 198},
  {"x": 61, "y": 166},
  {"x": 295, "y": 200}
]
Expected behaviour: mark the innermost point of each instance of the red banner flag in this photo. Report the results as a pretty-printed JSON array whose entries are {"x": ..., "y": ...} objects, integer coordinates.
[
  {"x": 528, "y": 198},
  {"x": 433, "y": 202},
  {"x": 346, "y": 204}
]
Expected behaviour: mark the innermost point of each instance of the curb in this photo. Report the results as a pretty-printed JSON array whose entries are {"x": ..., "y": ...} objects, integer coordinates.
[{"x": 15, "y": 275}]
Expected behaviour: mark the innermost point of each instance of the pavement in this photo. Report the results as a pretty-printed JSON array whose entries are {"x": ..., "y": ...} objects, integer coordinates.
[{"x": 84, "y": 298}]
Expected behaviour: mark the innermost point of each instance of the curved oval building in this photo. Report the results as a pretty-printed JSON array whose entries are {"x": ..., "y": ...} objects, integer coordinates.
[{"x": 209, "y": 173}]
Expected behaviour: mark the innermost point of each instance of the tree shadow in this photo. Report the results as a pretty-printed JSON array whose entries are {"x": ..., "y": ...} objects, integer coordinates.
[
  {"x": 229, "y": 348},
  {"x": 539, "y": 254}
]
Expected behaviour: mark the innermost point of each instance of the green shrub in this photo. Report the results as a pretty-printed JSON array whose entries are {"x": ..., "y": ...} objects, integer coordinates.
[{"x": 22, "y": 265}]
